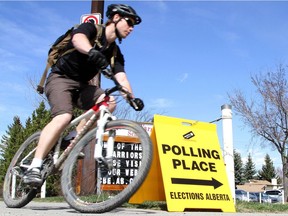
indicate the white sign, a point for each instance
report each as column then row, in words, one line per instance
column 147, row 126
column 93, row 18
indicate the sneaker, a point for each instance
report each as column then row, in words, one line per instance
column 33, row 177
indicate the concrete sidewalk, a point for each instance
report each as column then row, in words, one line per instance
column 63, row 209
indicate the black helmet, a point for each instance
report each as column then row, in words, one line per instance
column 122, row 10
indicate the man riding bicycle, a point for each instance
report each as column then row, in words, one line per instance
column 67, row 84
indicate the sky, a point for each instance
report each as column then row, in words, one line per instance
column 182, row 60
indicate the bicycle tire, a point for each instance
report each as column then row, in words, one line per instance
column 22, row 194
column 100, row 200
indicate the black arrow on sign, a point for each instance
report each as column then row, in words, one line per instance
column 213, row 182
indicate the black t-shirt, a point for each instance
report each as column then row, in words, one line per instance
column 75, row 64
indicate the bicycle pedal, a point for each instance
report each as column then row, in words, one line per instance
column 17, row 171
column 105, row 163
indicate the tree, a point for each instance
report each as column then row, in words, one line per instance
column 268, row 171
column 267, row 113
column 13, row 139
column 123, row 111
column 249, row 169
column 17, row 134
column 238, row 168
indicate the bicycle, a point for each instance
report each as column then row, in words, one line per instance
column 100, row 187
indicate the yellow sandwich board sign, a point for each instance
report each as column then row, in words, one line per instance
column 187, row 169
column 193, row 170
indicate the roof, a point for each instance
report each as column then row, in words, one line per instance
column 255, row 186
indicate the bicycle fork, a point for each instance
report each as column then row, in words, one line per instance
column 105, row 116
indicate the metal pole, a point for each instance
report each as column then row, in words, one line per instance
column 228, row 146
column 43, row 190
column 13, row 192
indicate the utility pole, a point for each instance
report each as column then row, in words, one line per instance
column 97, row 6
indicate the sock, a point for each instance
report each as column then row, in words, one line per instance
column 36, row 162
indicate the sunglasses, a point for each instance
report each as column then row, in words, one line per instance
column 129, row 21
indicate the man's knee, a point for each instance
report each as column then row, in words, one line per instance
column 62, row 119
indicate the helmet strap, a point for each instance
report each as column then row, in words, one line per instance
column 116, row 30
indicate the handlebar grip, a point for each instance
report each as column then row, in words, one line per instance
column 136, row 103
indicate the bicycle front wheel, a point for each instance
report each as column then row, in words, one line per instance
column 92, row 187
column 16, row 194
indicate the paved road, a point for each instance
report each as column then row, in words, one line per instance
column 63, row 209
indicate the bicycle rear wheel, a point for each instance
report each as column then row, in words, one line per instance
column 90, row 186
column 16, row 194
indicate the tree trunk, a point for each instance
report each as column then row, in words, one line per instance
column 284, row 177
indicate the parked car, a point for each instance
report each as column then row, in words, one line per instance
column 275, row 194
column 252, row 197
column 241, row 195
column 245, row 196
column 265, row 198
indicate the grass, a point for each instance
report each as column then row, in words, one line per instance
column 243, row 207
column 250, row 207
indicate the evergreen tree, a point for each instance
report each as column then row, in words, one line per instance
column 17, row 134
column 12, row 140
column 39, row 118
column 249, row 169
column 238, row 168
column 268, row 171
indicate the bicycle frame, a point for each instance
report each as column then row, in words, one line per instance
column 98, row 110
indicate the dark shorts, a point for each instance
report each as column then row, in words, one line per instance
column 64, row 93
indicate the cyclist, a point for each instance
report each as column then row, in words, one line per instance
column 67, row 84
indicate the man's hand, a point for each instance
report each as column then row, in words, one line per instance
column 98, row 58
column 137, row 104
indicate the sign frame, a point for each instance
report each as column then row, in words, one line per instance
column 95, row 17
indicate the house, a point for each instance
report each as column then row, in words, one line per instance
column 257, row 186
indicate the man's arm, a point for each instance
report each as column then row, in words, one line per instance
column 136, row 103
column 121, row 77
column 81, row 43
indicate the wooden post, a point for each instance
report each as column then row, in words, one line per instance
column 97, row 7
column 89, row 163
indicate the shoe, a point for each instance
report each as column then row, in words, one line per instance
column 33, row 177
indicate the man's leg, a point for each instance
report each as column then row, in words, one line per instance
column 48, row 139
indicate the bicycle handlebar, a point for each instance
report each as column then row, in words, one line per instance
column 118, row 87
column 135, row 103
